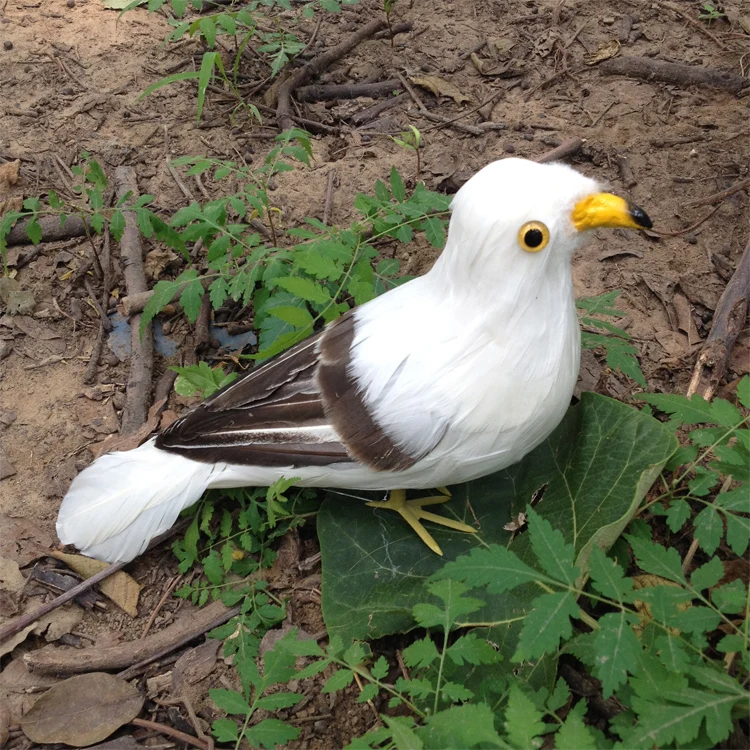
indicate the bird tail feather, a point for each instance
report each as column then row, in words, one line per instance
column 116, row 506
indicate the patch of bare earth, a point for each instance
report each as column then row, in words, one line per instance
column 71, row 76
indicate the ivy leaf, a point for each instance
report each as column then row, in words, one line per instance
column 380, row 668
column 677, row 513
column 420, row 653
column 304, row 289
column 607, row 577
column 693, row 410
column 225, row 730
column 455, row 693
column 271, row 733
column 402, row 732
column 523, row 720
column 164, row 293
column 278, row 700
column 677, row 717
column 463, row 726
column 743, row 391
column 574, row 734
column 554, row 554
column 455, row 605
column 617, row 651
column 338, row 680
column 738, row 532
column 730, row 598
column 230, row 701
column 546, row 625
column 471, row 649
column 397, row 186
column 495, row 568
column 707, row 575
column 672, row 653
column 653, row 558
column 201, row 378
column 708, row 529
column 191, row 297
column 369, row 691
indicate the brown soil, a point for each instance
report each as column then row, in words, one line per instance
column 70, row 83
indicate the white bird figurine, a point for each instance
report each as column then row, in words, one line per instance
column 449, row 377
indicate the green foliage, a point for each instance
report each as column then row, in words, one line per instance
column 716, row 455
column 244, row 27
column 619, row 352
column 709, row 12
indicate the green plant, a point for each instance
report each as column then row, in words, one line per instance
column 709, row 12
column 411, row 139
column 620, row 353
column 717, row 454
column 245, row 26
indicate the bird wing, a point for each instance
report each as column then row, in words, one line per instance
column 303, row 408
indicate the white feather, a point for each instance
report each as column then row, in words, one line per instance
column 118, row 504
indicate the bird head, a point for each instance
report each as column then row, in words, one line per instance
column 517, row 220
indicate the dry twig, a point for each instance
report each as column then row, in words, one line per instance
column 138, row 393
column 675, row 73
column 729, row 319
column 284, row 116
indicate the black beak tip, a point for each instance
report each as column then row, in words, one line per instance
column 640, row 217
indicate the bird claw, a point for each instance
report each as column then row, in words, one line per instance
column 411, row 511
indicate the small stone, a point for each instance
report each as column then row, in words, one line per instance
column 6, row 467
column 692, row 239
column 7, row 44
column 71, row 3
column 6, row 347
column 510, row 148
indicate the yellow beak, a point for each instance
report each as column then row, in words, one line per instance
column 607, row 210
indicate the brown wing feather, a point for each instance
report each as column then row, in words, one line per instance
column 257, row 419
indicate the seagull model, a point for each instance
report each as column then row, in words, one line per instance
column 449, row 377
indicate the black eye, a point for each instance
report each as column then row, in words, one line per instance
column 533, row 237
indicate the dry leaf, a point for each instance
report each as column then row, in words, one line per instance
column 82, row 710
column 121, row 588
column 9, row 644
column 57, row 623
column 508, row 69
column 20, row 688
column 604, row 51
column 517, row 523
column 685, row 321
column 157, row 260
column 440, row 87
column 9, row 175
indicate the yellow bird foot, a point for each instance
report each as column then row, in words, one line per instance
column 411, row 511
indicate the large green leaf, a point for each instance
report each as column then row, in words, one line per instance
column 594, row 470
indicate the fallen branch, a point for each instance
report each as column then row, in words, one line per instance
column 721, row 195
column 322, row 93
column 317, row 65
column 138, row 391
column 368, row 114
column 171, row 732
column 52, row 230
column 675, row 73
column 123, row 655
column 728, row 321
column 563, row 151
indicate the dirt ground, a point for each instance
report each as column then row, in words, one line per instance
column 70, row 79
